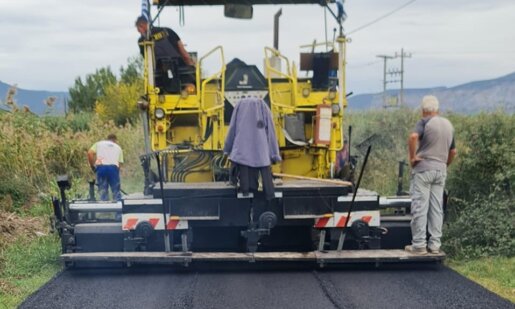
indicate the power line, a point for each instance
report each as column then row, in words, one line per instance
column 464, row 52
column 353, row 66
column 381, row 17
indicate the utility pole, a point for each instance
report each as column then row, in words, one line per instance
column 393, row 72
column 402, row 55
column 385, row 58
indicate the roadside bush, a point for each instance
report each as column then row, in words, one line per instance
column 481, row 218
column 14, row 193
column 482, row 227
column 72, row 122
column 486, row 150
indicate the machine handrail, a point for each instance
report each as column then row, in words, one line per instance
column 218, row 74
column 291, row 76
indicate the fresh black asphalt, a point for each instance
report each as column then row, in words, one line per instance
column 399, row 286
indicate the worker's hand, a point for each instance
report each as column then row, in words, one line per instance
column 275, row 159
column 415, row 160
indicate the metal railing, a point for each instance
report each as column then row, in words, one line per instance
column 218, row 75
column 290, row 75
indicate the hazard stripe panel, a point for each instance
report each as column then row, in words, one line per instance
column 322, row 222
column 130, row 224
column 339, row 219
column 131, row 221
column 153, row 222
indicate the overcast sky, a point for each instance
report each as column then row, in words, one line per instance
column 46, row 44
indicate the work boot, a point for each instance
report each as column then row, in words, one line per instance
column 433, row 250
column 415, row 250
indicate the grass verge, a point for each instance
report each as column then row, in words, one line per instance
column 25, row 266
column 496, row 274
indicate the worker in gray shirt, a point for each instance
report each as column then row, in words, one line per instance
column 434, row 136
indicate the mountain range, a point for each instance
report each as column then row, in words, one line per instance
column 469, row 98
column 34, row 100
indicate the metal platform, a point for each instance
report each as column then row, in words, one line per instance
column 326, row 257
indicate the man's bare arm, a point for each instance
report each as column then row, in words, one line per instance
column 91, row 158
column 185, row 56
column 452, row 154
column 412, row 147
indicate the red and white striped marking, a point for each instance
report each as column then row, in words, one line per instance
column 339, row 219
column 130, row 221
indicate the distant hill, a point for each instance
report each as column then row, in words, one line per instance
column 34, row 99
column 469, row 98
column 473, row 97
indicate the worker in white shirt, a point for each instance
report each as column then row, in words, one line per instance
column 105, row 158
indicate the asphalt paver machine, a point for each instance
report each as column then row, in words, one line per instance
column 189, row 211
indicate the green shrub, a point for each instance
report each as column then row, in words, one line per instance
column 486, row 150
column 482, row 227
column 14, row 193
column 480, row 220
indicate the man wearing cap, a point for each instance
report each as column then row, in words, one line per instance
column 105, row 158
column 431, row 149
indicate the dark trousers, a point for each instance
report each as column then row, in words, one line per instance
column 248, row 178
column 108, row 176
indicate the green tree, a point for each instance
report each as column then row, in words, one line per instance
column 133, row 72
column 84, row 94
column 119, row 102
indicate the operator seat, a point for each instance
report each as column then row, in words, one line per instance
column 172, row 74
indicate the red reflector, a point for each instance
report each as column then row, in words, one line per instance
column 366, row 218
column 321, row 223
column 342, row 222
column 172, row 224
column 130, row 224
column 153, row 222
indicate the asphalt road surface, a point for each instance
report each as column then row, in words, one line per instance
column 399, row 286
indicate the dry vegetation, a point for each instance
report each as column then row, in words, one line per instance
column 35, row 150
column 13, row 226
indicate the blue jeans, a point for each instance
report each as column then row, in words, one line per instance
column 108, row 176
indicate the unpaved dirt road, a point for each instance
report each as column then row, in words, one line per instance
column 399, row 286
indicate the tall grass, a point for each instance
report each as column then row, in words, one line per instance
column 387, row 131
column 34, row 150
